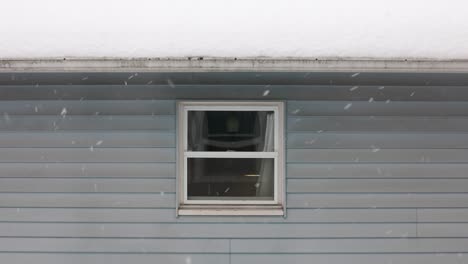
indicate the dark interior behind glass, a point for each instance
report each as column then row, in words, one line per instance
column 226, row 130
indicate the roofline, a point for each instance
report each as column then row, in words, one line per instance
column 231, row 64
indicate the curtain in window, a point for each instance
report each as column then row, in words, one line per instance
column 196, row 141
column 266, row 178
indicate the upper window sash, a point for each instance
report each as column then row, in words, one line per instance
column 227, row 107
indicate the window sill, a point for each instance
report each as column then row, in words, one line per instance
column 231, row 210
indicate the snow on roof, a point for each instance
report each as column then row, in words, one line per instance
column 436, row 29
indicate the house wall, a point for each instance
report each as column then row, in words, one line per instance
column 93, row 181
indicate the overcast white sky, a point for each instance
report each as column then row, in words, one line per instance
column 154, row 28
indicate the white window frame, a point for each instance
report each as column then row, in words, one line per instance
column 230, row 207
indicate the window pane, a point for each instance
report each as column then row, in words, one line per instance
column 230, row 179
column 230, row 131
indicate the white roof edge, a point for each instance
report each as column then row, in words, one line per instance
column 226, row 64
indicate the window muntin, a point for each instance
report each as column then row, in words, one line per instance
column 231, row 153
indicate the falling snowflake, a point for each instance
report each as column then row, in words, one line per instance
column 171, row 83
column 64, row 112
column 375, row 149
column 6, row 117
column 347, row 106
column 266, row 92
column 379, row 171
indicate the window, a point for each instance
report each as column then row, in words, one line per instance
column 230, row 158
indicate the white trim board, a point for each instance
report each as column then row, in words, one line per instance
column 238, row 205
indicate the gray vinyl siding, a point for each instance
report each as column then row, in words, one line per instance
column 372, row 182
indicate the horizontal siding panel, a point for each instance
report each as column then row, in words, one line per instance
column 435, row 258
column 246, row 91
column 97, row 122
column 94, row 215
column 376, row 140
column 443, row 230
column 399, row 245
column 377, row 155
column 90, row 200
column 211, row 230
column 102, row 139
column 377, row 200
column 114, row 245
column 443, row 215
column 89, row 107
column 377, row 124
column 377, row 185
column 56, row 258
column 87, row 155
column 384, row 108
column 168, row 215
column 87, row 185
column 87, row 170
column 417, row 170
